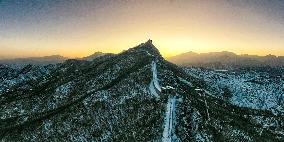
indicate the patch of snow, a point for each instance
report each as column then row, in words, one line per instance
column 221, row 70
column 206, row 107
column 186, row 82
column 197, row 89
column 170, row 87
column 195, row 120
column 47, row 126
column 199, row 137
column 148, row 53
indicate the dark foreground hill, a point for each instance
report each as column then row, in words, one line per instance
column 132, row 96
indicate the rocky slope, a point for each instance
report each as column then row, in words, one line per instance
column 132, row 96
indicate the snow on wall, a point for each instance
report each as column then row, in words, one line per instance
column 155, row 76
column 154, row 84
column 169, row 132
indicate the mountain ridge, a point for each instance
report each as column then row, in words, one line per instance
column 45, row 60
column 96, row 55
column 226, row 59
column 135, row 95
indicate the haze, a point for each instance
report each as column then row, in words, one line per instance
column 75, row 28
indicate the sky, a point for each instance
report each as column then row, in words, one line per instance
column 77, row 28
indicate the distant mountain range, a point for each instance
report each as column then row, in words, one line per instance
column 46, row 60
column 96, row 55
column 54, row 59
column 220, row 60
column 226, row 59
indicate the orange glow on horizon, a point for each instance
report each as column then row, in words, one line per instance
column 174, row 26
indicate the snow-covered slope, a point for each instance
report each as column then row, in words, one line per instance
column 252, row 89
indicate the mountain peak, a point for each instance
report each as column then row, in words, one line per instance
column 149, row 41
column 148, row 48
